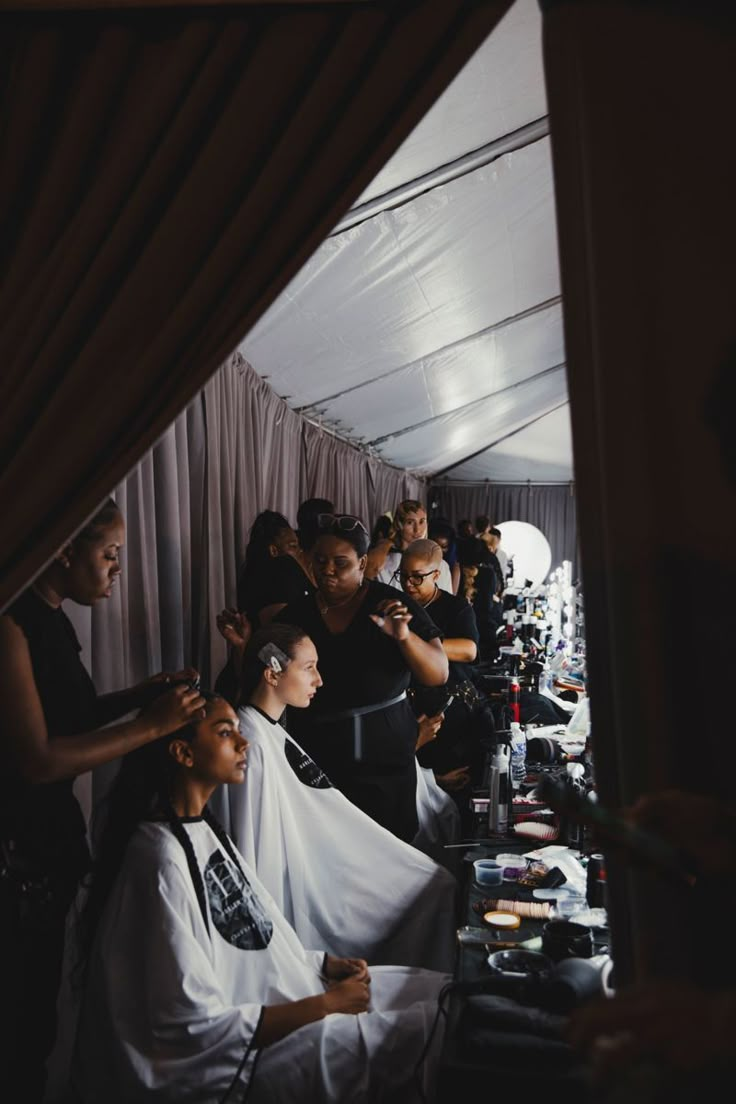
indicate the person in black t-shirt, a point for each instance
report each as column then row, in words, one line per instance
column 482, row 584
column 273, row 574
column 454, row 752
column 51, row 730
column 371, row 641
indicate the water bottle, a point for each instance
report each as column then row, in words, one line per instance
column 518, row 755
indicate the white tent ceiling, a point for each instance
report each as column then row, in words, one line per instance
column 429, row 328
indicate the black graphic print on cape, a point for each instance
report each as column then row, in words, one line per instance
column 236, row 911
column 305, row 768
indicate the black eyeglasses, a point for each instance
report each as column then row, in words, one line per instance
column 346, row 523
column 416, row 578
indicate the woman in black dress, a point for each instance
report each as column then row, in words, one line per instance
column 50, row 728
column 360, row 727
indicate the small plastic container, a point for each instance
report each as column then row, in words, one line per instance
column 488, row 872
column 514, row 866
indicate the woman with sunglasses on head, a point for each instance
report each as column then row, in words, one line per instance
column 197, row 988
column 288, row 812
column 52, row 730
column 371, row 642
column 410, row 524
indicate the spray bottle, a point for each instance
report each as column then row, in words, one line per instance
column 499, row 792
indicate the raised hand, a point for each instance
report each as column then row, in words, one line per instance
column 235, row 627
column 392, row 618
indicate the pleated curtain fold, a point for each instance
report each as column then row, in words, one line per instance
column 189, row 504
column 164, row 172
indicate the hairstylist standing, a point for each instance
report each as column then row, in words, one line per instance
column 360, row 728
column 384, row 560
column 50, row 718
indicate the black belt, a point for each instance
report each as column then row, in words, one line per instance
column 356, row 715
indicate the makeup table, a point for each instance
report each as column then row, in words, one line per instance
column 481, row 1052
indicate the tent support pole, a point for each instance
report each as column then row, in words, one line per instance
column 443, row 174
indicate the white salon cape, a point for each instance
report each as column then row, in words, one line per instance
column 172, row 1004
column 389, row 573
column 343, row 881
column 439, row 821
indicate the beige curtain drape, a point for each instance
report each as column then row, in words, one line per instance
column 189, row 505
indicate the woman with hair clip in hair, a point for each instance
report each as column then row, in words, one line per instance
column 311, row 847
column 197, row 988
column 51, row 730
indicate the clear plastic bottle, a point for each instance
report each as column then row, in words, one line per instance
column 518, row 755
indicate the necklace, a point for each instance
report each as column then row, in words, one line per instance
column 435, row 595
column 325, row 609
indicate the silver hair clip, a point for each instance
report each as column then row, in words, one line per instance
column 271, row 656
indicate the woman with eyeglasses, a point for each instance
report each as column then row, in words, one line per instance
column 453, row 750
column 410, row 524
column 372, row 642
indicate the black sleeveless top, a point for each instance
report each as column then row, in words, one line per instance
column 45, row 819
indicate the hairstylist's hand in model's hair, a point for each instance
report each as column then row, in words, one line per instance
column 174, row 709
column 116, row 704
column 188, row 674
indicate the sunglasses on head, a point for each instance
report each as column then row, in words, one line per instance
column 346, row 523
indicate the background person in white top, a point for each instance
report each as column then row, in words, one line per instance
column 340, row 878
column 197, row 988
column 384, row 560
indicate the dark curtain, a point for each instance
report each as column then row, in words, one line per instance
column 550, row 508
column 164, row 173
column 641, row 104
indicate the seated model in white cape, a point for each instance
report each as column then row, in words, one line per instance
column 341, row 879
column 198, row 990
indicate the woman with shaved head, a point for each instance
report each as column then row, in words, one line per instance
column 453, row 752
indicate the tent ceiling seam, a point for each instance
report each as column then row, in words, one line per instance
column 529, row 312
column 467, row 406
column 443, row 174
column 499, row 440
